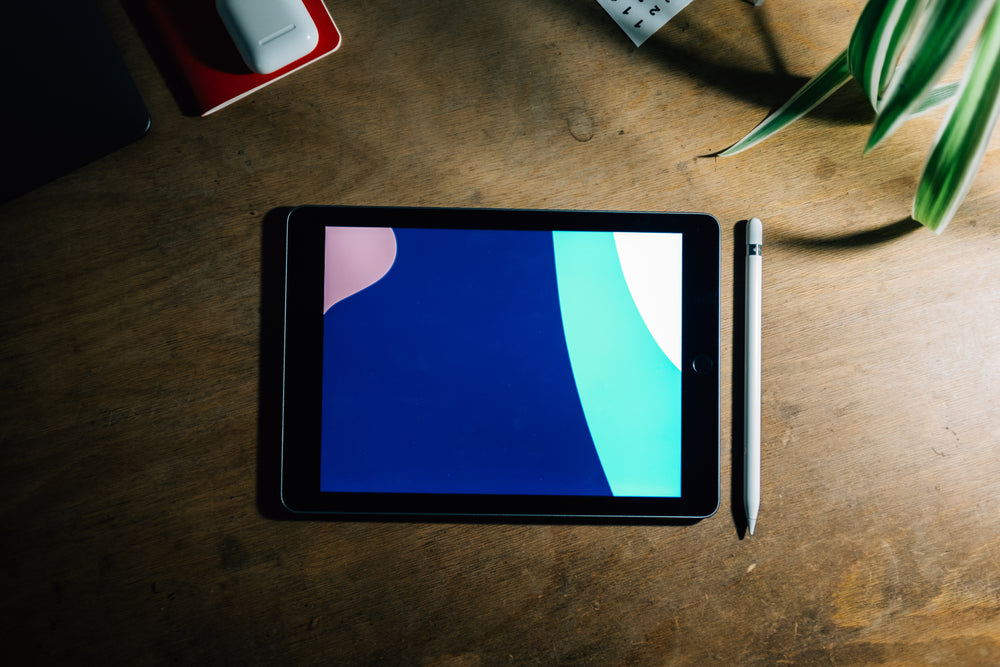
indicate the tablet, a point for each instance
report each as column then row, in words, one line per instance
column 500, row 363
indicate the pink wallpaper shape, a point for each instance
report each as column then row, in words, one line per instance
column 356, row 258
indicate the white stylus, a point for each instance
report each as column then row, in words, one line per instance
column 751, row 393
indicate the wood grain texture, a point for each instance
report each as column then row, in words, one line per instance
column 130, row 303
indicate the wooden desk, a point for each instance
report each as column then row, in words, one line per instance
column 131, row 294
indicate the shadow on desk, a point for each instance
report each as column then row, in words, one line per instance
column 840, row 243
column 853, row 240
column 737, row 486
column 269, row 391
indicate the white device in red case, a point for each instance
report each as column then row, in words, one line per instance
column 269, row 34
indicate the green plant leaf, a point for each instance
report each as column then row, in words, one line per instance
column 960, row 147
column 937, row 97
column 909, row 20
column 877, row 42
column 948, row 27
column 811, row 94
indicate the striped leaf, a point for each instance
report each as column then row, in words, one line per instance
column 898, row 52
column 877, row 42
column 811, row 94
column 965, row 134
column 946, row 28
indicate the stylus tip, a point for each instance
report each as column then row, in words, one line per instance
column 751, row 524
column 755, row 231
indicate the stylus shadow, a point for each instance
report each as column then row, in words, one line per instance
column 738, row 380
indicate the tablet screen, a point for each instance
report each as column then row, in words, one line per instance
column 444, row 361
column 502, row 361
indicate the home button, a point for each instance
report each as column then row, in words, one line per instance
column 703, row 364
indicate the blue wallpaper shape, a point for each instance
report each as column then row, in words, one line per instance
column 451, row 374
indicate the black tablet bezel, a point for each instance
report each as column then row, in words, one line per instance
column 302, row 378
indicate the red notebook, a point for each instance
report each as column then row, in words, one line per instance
column 204, row 58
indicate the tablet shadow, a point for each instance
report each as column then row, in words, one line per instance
column 270, row 372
